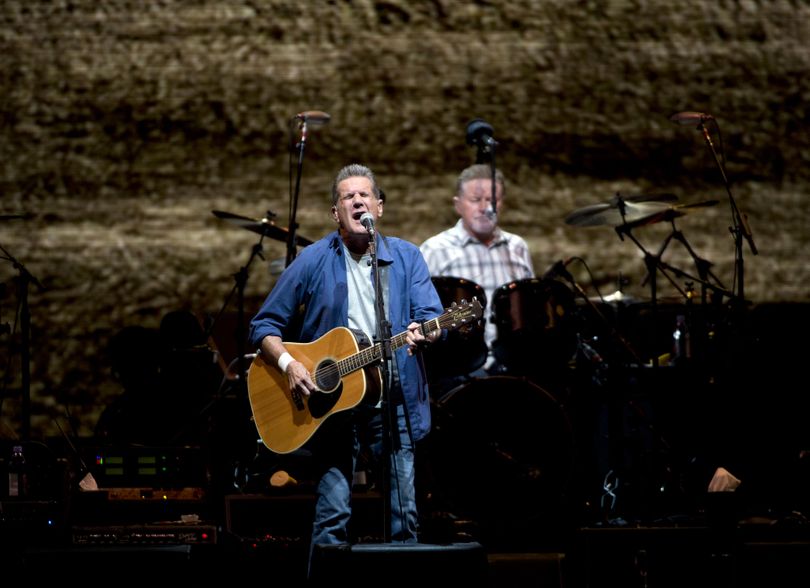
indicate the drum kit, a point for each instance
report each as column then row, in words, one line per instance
column 538, row 322
column 545, row 325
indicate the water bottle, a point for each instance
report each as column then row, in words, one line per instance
column 17, row 478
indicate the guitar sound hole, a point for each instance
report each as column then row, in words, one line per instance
column 327, row 376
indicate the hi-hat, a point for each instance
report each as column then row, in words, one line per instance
column 264, row 227
column 620, row 210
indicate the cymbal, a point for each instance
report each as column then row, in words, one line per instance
column 620, row 210
column 264, row 227
column 671, row 213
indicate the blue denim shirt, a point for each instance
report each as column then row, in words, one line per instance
column 311, row 298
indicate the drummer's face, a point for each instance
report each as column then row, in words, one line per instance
column 472, row 205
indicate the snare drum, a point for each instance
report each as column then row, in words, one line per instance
column 464, row 349
column 535, row 322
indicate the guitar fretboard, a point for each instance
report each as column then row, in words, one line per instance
column 372, row 354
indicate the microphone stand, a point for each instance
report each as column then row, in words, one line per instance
column 388, row 410
column 25, row 346
column 486, row 146
column 293, row 225
column 241, row 278
column 494, row 201
column 739, row 228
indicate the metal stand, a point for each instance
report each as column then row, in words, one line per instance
column 293, row 225
column 240, row 279
column 25, row 278
column 739, row 221
column 389, row 411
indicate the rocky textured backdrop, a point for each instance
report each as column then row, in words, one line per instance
column 124, row 124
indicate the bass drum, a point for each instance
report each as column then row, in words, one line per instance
column 464, row 349
column 536, row 325
column 501, row 454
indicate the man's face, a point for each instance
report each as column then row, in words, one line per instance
column 355, row 196
column 472, row 206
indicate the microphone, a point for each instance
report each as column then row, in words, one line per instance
column 690, row 118
column 558, row 270
column 368, row 221
column 314, row 117
column 479, row 132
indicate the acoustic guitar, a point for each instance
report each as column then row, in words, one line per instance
column 345, row 369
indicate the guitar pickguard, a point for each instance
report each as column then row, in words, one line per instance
column 321, row 403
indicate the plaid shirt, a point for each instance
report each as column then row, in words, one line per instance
column 456, row 253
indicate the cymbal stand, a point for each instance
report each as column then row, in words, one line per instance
column 701, row 265
column 653, row 264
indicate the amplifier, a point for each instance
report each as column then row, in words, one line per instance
column 147, row 534
column 134, row 506
column 152, row 494
column 144, row 466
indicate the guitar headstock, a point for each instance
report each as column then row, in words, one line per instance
column 462, row 313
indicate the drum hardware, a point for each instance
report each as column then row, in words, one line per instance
column 626, row 214
column 706, row 279
column 613, row 332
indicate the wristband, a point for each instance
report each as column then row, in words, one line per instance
column 284, row 361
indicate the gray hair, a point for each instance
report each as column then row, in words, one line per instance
column 354, row 170
column 480, row 171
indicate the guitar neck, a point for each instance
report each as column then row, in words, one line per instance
column 373, row 354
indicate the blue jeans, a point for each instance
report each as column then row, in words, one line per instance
column 335, row 454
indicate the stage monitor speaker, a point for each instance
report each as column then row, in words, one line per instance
column 401, row 564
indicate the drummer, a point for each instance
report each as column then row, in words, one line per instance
column 476, row 248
